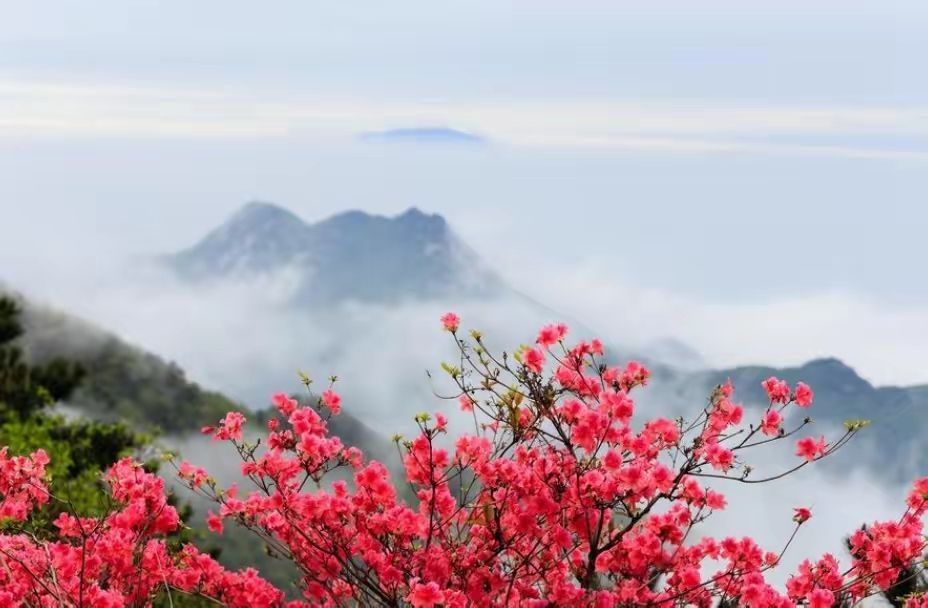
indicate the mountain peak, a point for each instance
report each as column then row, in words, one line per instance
column 351, row 255
column 413, row 221
column 414, row 214
column 259, row 235
column 838, row 374
column 830, row 364
column 262, row 212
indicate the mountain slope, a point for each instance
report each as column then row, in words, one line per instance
column 122, row 382
column 840, row 393
column 415, row 256
column 893, row 443
column 350, row 256
column 125, row 382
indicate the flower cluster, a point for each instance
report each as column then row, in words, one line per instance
column 115, row 561
column 559, row 495
column 22, row 486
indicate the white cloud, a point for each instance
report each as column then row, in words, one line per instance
column 886, row 344
column 239, row 339
column 840, row 505
column 54, row 109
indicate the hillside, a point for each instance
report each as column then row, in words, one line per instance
column 417, row 257
column 840, row 394
column 891, row 445
column 122, row 381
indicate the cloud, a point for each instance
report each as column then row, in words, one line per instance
column 241, row 338
column 840, row 504
column 686, row 145
column 244, row 339
column 54, row 109
column 885, row 343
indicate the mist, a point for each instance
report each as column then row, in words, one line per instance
column 248, row 341
column 738, row 184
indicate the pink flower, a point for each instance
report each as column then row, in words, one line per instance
column 534, row 359
column 551, row 334
column 195, row 475
column 810, row 448
column 715, row 501
column 635, row 374
column 721, row 458
column 425, row 596
column 214, row 522
column 777, row 390
column 230, row 427
column 801, row 514
column 804, row 394
column 284, row 404
column 821, row 598
column 771, row 423
column 450, row 321
column 332, row 400
column 728, row 389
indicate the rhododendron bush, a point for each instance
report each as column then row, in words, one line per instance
column 558, row 494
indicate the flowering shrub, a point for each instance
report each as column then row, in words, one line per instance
column 560, row 496
column 111, row 562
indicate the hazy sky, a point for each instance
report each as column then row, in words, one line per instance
column 748, row 176
column 764, row 162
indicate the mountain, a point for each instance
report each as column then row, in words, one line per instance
column 126, row 382
column 355, row 256
column 896, row 413
column 424, row 135
column 122, row 381
column 891, row 445
column 349, row 256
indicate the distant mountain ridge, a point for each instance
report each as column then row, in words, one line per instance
column 841, row 394
column 424, row 135
column 349, row 256
column 891, row 445
column 358, row 256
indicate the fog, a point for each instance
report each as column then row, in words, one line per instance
column 733, row 185
column 245, row 340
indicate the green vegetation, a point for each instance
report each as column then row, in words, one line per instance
column 127, row 384
column 80, row 450
column 120, row 382
column 122, row 393
column 124, row 397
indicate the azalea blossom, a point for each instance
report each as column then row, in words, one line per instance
column 332, row 400
column 561, row 492
column 450, row 321
column 804, row 394
column 534, row 359
column 810, row 448
column 777, row 390
column 801, row 514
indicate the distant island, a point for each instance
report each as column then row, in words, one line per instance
column 423, row 135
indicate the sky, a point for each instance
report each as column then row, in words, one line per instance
column 746, row 177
